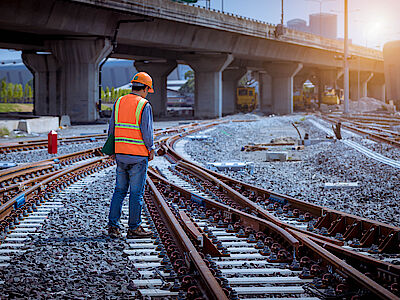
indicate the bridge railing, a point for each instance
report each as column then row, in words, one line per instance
column 211, row 18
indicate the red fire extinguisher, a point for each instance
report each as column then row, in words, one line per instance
column 52, row 142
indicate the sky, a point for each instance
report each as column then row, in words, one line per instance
column 371, row 22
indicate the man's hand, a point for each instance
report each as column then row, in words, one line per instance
column 151, row 155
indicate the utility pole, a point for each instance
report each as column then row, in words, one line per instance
column 282, row 15
column 345, row 59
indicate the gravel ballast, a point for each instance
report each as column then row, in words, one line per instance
column 327, row 162
column 72, row 257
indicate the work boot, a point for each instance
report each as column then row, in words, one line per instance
column 138, row 232
column 114, row 232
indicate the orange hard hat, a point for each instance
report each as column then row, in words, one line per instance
column 143, row 78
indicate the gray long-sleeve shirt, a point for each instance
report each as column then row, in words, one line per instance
column 146, row 128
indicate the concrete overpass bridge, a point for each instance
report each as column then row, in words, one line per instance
column 63, row 42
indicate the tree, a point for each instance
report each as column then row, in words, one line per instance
column 112, row 94
column 188, row 86
column 10, row 92
column 107, row 94
column 20, row 92
column 102, row 93
column 3, row 90
column 30, row 94
column 246, row 82
column 26, row 91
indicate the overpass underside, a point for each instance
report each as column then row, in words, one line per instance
column 64, row 42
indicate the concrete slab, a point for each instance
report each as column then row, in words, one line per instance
column 39, row 125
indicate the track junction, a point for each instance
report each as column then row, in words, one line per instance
column 214, row 237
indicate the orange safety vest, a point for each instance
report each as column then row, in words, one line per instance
column 128, row 114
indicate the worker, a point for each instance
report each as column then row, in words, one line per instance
column 132, row 125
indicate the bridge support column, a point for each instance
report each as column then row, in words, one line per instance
column 282, row 74
column 45, row 69
column 376, row 87
column 208, row 83
column 79, row 60
column 358, row 84
column 265, row 91
column 230, row 79
column 159, row 71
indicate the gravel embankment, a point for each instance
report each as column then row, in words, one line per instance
column 72, row 258
column 375, row 197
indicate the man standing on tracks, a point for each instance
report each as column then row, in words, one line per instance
column 132, row 125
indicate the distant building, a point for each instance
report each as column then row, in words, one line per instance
column 298, row 24
column 324, row 24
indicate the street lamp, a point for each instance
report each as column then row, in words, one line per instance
column 320, row 12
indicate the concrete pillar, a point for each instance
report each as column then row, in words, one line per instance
column 230, row 79
column 376, row 87
column 392, row 71
column 208, row 83
column 282, row 74
column 46, row 72
column 159, row 71
column 265, row 91
column 358, row 84
column 79, row 61
column 340, row 80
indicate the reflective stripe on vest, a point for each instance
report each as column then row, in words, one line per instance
column 128, row 137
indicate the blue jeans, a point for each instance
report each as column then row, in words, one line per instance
column 133, row 176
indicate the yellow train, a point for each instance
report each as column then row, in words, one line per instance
column 331, row 97
column 246, row 99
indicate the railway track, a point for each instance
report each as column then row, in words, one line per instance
column 218, row 238
column 370, row 246
column 253, row 258
column 377, row 128
column 36, row 144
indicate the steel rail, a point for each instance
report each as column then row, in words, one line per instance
column 359, row 277
column 214, row 290
column 316, row 210
column 370, row 135
column 242, row 215
column 51, row 161
column 37, row 187
column 42, row 143
column 392, row 232
column 304, row 240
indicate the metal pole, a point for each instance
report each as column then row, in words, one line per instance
column 345, row 60
column 320, row 18
column 222, row 4
column 358, row 81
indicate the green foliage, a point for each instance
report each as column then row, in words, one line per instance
column 107, row 97
column 3, row 89
column 30, row 93
column 189, row 85
column 245, row 81
column 111, row 95
column 4, row 131
column 16, row 107
column 10, row 92
column 105, row 107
